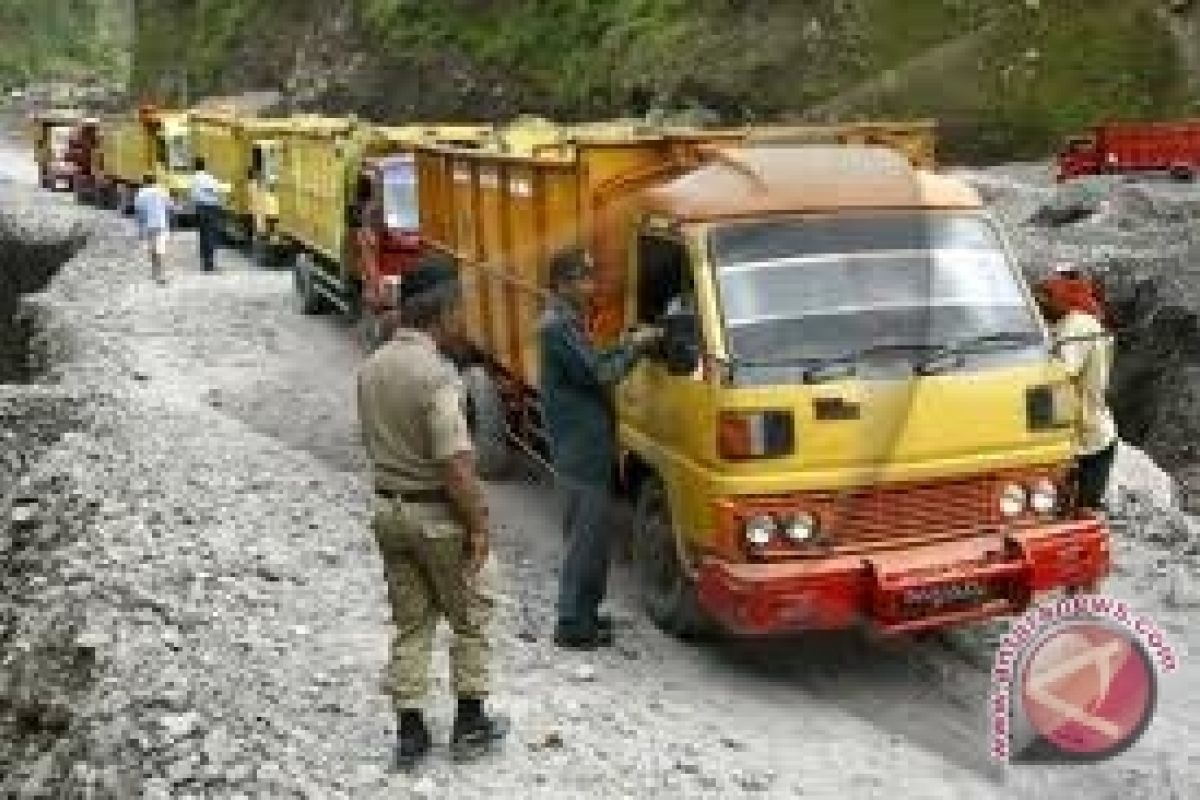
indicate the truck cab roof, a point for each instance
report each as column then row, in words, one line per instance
column 760, row 180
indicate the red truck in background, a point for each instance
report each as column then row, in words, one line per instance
column 1128, row 147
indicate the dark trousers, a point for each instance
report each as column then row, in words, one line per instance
column 588, row 530
column 207, row 226
column 1091, row 476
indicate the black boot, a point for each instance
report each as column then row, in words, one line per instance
column 475, row 733
column 412, row 740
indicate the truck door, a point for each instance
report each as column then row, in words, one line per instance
column 651, row 400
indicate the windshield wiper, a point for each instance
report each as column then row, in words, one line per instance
column 952, row 354
column 826, row 369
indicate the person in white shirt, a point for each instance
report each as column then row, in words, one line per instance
column 206, row 192
column 1085, row 347
column 152, row 210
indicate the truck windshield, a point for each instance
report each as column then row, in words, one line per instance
column 886, row 288
column 270, row 165
column 178, row 153
column 400, row 196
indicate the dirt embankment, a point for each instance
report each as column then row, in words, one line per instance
column 46, row 666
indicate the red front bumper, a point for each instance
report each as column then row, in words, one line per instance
column 905, row 590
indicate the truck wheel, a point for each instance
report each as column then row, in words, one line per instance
column 489, row 424
column 311, row 301
column 260, row 252
column 125, row 199
column 1183, row 174
column 668, row 594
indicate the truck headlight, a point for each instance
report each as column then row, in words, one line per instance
column 801, row 528
column 760, row 529
column 1043, row 498
column 1012, row 500
column 745, row 434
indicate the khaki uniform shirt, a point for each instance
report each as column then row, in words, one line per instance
column 410, row 409
column 1086, row 350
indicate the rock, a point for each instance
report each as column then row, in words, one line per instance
column 754, row 782
column 551, row 741
column 180, row 726
column 426, row 787
column 24, row 517
column 1183, row 590
column 583, row 673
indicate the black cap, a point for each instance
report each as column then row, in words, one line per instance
column 435, row 272
column 569, row 265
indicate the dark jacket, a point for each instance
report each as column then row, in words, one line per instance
column 576, row 388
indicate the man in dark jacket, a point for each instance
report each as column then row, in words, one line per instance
column 576, row 383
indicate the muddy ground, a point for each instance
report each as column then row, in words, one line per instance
column 191, row 604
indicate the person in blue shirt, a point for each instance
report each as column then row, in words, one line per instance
column 206, row 200
column 576, row 381
column 152, row 210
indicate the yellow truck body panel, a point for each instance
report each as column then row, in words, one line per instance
column 227, row 142
column 315, row 157
column 150, row 141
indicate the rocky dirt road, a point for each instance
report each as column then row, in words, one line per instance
column 192, row 606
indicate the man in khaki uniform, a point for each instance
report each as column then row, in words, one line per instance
column 430, row 521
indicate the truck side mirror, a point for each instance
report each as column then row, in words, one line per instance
column 681, row 343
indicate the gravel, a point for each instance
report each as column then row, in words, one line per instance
column 191, row 605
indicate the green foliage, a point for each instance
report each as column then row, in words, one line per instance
column 1007, row 79
column 75, row 40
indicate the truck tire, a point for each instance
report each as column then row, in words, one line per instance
column 489, row 424
column 668, row 593
column 106, row 197
column 125, row 199
column 310, row 300
column 1182, row 173
column 260, row 253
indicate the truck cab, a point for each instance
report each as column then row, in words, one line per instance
column 385, row 227
column 1080, row 156
column 53, row 132
column 173, row 159
column 875, row 428
column 263, row 197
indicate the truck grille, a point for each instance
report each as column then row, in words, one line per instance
column 921, row 511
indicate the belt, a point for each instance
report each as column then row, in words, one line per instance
column 415, row 495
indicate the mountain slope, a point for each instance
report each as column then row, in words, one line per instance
column 1009, row 77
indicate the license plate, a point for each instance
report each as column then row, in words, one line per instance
column 945, row 594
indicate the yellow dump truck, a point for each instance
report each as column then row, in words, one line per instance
column 855, row 414
column 347, row 209
column 152, row 141
column 243, row 153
